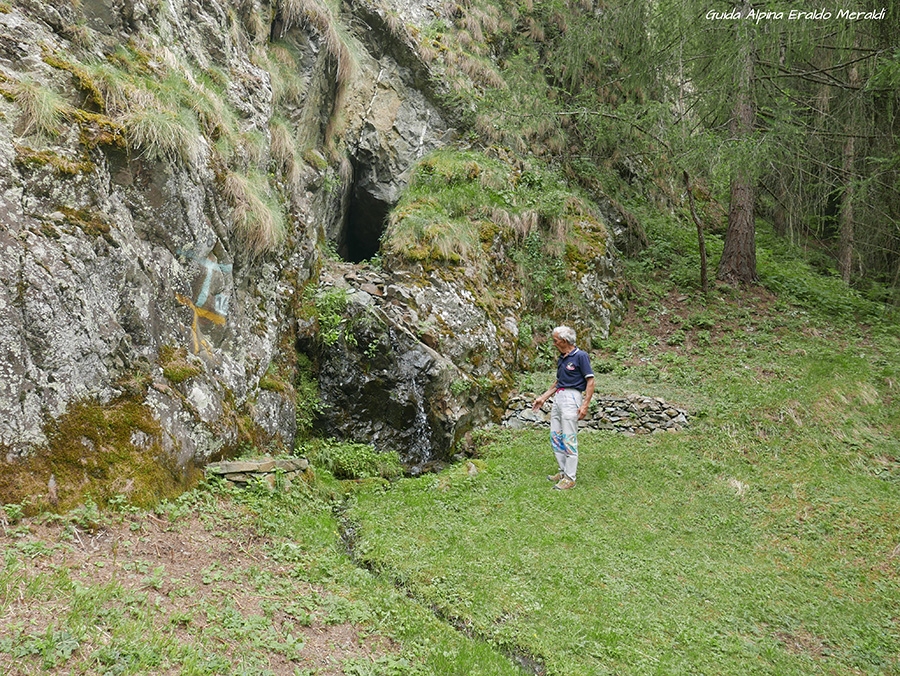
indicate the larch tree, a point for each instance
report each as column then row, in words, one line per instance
column 738, row 262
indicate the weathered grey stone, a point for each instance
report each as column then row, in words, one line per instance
column 629, row 421
column 267, row 471
column 234, row 467
column 389, row 388
column 238, row 477
column 106, row 268
column 292, row 465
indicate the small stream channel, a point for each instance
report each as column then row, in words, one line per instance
column 529, row 664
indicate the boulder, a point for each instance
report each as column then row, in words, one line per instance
column 380, row 381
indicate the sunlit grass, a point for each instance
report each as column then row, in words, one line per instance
column 163, row 133
column 761, row 540
column 42, row 109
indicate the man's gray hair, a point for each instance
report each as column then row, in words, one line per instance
column 566, row 333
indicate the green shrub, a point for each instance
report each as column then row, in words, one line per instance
column 331, row 316
column 348, row 460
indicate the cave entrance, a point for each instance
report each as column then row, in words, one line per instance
column 364, row 222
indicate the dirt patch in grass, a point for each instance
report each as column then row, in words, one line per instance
column 207, row 581
column 802, row 642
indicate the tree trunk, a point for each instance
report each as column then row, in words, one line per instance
column 845, row 253
column 738, row 263
column 701, row 240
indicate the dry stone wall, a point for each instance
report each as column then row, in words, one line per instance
column 629, row 414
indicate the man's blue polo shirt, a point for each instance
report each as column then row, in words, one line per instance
column 573, row 370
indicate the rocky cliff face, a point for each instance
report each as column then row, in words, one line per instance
column 168, row 173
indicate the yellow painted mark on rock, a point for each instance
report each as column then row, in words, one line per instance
column 200, row 313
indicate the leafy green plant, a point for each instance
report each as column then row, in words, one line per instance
column 86, row 516
column 331, row 316
column 459, row 386
column 12, row 513
column 308, row 404
column 347, row 460
column 384, row 665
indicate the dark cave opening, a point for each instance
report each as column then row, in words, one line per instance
column 364, row 224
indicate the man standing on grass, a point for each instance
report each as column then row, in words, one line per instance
column 573, row 388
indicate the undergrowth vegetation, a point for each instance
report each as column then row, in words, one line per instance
column 349, row 460
column 474, row 210
column 456, row 200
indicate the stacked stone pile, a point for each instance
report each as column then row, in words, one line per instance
column 630, row 414
column 264, row 470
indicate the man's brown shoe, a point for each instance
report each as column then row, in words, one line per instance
column 565, row 484
column 555, row 477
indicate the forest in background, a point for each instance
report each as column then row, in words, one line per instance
column 763, row 114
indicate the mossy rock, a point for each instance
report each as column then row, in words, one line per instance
column 176, row 365
column 97, row 450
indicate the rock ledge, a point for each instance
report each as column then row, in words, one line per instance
column 264, row 470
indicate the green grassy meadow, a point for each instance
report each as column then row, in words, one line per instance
column 765, row 539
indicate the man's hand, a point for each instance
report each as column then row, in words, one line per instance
column 541, row 400
column 582, row 410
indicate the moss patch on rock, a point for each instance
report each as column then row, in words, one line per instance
column 38, row 159
column 176, row 366
column 99, row 451
column 92, row 223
